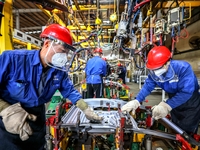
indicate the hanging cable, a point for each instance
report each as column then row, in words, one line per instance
column 117, row 11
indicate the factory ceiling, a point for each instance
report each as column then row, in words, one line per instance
column 30, row 16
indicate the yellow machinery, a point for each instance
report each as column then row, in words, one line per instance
column 6, row 27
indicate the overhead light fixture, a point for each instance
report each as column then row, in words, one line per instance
column 33, row 32
column 107, row 21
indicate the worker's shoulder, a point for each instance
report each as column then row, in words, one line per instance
column 20, row 52
column 96, row 59
column 180, row 62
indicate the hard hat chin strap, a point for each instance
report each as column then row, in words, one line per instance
column 45, row 57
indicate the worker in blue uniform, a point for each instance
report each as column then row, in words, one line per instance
column 177, row 78
column 108, row 68
column 121, row 71
column 96, row 69
column 28, row 80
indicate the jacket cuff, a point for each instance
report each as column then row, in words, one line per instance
column 166, row 105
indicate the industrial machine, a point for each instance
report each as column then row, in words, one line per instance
column 69, row 129
column 113, row 89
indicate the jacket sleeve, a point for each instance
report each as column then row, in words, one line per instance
column 185, row 88
column 148, row 86
column 104, row 68
column 68, row 91
column 5, row 62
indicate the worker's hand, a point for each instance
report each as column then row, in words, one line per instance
column 161, row 110
column 131, row 106
column 14, row 119
column 89, row 113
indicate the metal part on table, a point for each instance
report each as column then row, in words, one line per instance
column 150, row 132
column 104, row 102
column 190, row 139
column 76, row 117
column 112, row 119
column 172, row 125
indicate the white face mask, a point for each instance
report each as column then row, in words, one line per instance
column 59, row 59
column 159, row 72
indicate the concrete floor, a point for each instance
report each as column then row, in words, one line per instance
column 154, row 98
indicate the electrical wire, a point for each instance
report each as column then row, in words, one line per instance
column 184, row 33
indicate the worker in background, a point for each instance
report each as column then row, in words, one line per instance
column 108, row 67
column 121, row 71
column 177, row 78
column 28, row 80
column 95, row 70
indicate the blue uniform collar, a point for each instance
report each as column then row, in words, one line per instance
column 37, row 58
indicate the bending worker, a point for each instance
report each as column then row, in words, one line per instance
column 96, row 69
column 177, row 78
column 28, row 80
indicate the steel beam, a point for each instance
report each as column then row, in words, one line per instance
column 93, row 7
column 32, row 28
column 185, row 4
column 71, row 27
column 57, row 19
column 80, row 13
column 82, row 27
column 31, row 46
column 100, row 37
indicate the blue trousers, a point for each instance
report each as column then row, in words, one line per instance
column 187, row 115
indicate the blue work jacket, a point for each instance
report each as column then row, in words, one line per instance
column 121, row 70
column 182, row 86
column 20, row 75
column 95, row 69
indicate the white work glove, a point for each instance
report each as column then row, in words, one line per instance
column 14, row 119
column 131, row 106
column 161, row 110
column 89, row 113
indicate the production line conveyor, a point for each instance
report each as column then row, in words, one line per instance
column 79, row 131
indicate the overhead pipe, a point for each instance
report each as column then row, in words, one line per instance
column 187, row 51
column 26, row 10
column 17, row 21
column 51, row 4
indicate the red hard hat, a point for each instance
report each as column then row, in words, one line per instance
column 119, row 64
column 157, row 57
column 98, row 50
column 104, row 58
column 59, row 32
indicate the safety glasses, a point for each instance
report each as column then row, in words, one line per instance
column 163, row 74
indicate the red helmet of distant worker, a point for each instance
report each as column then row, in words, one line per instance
column 157, row 57
column 98, row 50
column 56, row 31
column 119, row 64
column 104, row 58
